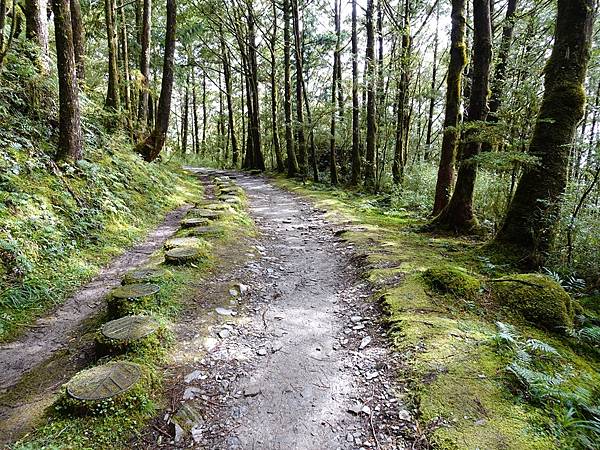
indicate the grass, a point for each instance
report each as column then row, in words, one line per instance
column 458, row 380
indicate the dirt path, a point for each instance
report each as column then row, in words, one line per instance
column 298, row 360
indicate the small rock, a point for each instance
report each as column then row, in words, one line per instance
column 192, row 376
column 261, row 352
column 355, row 409
column 197, row 434
column 252, row 391
column 404, row 415
column 191, row 392
column 224, row 334
column 366, row 410
column 365, row 341
column 276, row 347
column 233, row 292
column 179, row 433
column 349, row 437
column 371, row 375
column 225, row 312
column 360, row 326
column 242, row 288
column 355, row 319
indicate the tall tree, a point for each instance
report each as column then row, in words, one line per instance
column 145, row 62
column 371, row 118
column 36, row 20
column 78, row 39
column 456, row 67
column 458, row 215
column 292, row 162
column 334, row 84
column 356, row 163
column 273, row 75
column 530, row 224
column 151, row 147
column 113, row 101
column 70, row 139
column 230, row 112
column 300, row 136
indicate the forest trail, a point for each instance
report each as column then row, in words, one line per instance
column 304, row 365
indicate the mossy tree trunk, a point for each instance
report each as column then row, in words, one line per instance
column 273, row 75
column 458, row 215
column 70, row 140
column 36, row 22
column 371, row 118
column 230, row 112
column 334, row 84
column 113, row 101
column 530, row 223
column 356, row 163
column 78, row 39
column 300, row 135
column 292, row 162
column 151, row 147
column 458, row 61
column 144, row 63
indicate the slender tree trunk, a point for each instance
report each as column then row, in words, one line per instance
column 433, row 86
column 301, row 138
column 356, row 163
column 78, row 39
column 2, row 23
column 530, row 224
column 230, row 112
column 185, row 117
column 70, row 140
column 273, row 74
column 292, row 162
column 36, row 20
column 151, row 147
column 458, row 61
column 458, row 215
column 145, row 61
column 195, row 113
column 125, row 56
column 113, row 101
column 501, row 66
column 205, row 112
column 334, row 84
column 371, row 118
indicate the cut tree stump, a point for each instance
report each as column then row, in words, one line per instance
column 183, row 255
column 182, row 242
column 206, row 231
column 204, row 214
column 194, row 222
column 216, row 207
column 145, row 275
column 131, row 299
column 129, row 333
column 105, row 381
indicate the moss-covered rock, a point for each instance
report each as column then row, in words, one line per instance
column 536, row 297
column 454, row 280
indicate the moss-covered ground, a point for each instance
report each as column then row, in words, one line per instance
column 117, row 424
column 458, row 380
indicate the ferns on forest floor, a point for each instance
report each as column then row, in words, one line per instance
column 543, row 375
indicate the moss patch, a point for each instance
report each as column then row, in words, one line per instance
column 452, row 280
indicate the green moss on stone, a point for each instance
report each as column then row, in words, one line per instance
column 452, row 280
column 538, row 298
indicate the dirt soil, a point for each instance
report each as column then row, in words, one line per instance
column 296, row 355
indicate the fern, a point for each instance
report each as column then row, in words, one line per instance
column 589, row 335
column 541, row 347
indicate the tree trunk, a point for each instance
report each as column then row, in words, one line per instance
column 145, row 62
column 433, row 86
column 113, row 101
column 501, row 66
column 292, row 162
column 356, row 163
column 530, row 224
column 195, row 113
column 205, row 113
column 300, row 136
column 371, row 118
column 458, row 61
column 334, row 84
column 125, row 59
column 70, row 140
column 185, row 118
column 458, row 215
column 151, row 147
column 230, row 112
column 273, row 74
column 36, row 21
column 2, row 23
column 78, row 39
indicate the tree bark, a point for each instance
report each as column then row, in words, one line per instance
column 530, row 224
column 125, row 59
column 145, row 62
column 433, row 86
column 273, row 74
column 458, row 215
column 333, row 172
column 230, row 112
column 371, row 118
column 292, row 162
column 36, row 21
column 113, row 101
column 300, row 135
column 185, row 117
column 70, row 138
column 151, row 147
column 356, row 163
column 78, row 39
column 458, row 61
column 2, row 23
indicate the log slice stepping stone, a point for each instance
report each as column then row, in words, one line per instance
column 144, row 275
column 182, row 255
column 131, row 299
column 205, row 213
column 129, row 333
column 105, row 381
column 194, row 222
column 207, row 231
column 182, row 242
